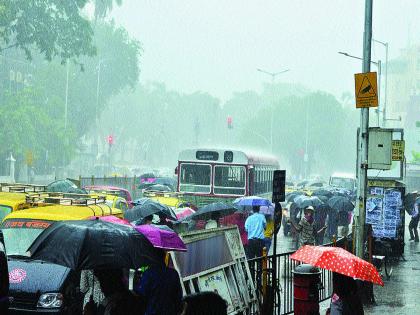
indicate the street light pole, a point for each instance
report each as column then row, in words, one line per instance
column 360, row 214
column 385, row 44
column 273, row 77
column 379, row 65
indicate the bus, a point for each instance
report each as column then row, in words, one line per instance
column 211, row 175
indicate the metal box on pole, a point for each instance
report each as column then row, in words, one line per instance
column 380, row 149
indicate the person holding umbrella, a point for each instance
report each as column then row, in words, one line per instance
column 306, row 228
column 255, row 226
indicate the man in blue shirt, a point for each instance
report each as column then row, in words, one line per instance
column 254, row 227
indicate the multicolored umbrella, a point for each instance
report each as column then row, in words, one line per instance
column 338, row 260
column 161, row 238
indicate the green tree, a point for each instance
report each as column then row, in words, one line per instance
column 27, row 127
column 117, row 62
column 103, row 7
column 54, row 28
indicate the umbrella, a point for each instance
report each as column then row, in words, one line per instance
column 308, row 201
column 291, row 196
column 267, row 210
column 147, row 208
column 112, row 219
column 338, row 260
column 182, row 213
column 65, row 186
column 340, row 203
column 252, row 201
column 161, row 238
column 410, row 200
column 219, row 208
column 158, row 187
column 322, row 192
column 140, row 201
column 93, row 244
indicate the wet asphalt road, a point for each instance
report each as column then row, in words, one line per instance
column 401, row 293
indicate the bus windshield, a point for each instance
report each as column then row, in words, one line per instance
column 19, row 234
column 229, row 180
column 195, row 178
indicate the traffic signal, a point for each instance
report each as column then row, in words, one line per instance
column 229, row 122
column 110, row 140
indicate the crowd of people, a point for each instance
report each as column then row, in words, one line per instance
column 156, row 291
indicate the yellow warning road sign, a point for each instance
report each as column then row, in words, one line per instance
column 366, row 89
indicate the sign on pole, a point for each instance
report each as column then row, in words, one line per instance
column 366, row 89
column 279, row 186
column 398, row 147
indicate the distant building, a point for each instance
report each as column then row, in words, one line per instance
column 404, row 87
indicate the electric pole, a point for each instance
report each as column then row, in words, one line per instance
column 362, row 149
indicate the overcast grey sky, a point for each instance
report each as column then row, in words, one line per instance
column 215, row 46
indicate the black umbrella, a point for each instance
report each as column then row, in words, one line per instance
column 93, row 244
column 158, row 187
column 322, row 192
column 291, row 196
column 147, row 208
column 216, row 208
column 305, row 202
column 340, row 203
column 410, row 200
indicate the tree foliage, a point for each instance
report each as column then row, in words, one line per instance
column 103, row 7
column 27, row 126
column 54, row 28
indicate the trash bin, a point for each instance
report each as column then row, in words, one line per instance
column 306, row 283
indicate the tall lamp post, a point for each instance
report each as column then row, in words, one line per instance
column 379, row 65
column 385, row 44
column 273, row 76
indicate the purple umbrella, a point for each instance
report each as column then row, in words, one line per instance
column 160, row 238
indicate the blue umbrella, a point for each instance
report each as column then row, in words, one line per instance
column 252, row 201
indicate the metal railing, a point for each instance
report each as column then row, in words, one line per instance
column 278, row 299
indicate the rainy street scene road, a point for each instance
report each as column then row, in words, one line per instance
column 196, row 157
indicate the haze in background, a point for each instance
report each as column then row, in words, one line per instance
column 216, row 46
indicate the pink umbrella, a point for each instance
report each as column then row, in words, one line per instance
column 182, row 213
column 112, row 219
column 160, row 238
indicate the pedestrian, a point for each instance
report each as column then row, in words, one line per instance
column 345, row 299
column 306, row 227
column 90, row 287
column 118, row 300
column 204, row 303
column 269, row 231
column 255, row 226
column 320, row 218
column 160, row 287
column 414, row 222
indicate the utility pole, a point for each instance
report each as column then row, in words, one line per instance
column 363, row 140
column 273, row 76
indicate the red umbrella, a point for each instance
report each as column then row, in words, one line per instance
column 338, row 260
